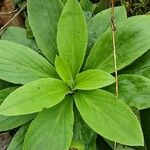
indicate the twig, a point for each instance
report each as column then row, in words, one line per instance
column 21, row 9
column 8, row 13
column 114, row 53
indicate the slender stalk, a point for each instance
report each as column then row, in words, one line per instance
column 114, row 53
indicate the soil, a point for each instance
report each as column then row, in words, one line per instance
column 7, row 6
column 5, row 139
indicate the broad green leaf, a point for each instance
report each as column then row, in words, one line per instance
column 93, row 79
column 11, row 122
column 20, row 64
column 34, row 96
column 101, row 22
column 84, row 138
column 52, row 128
column 72, row 36
column 145, row 121
column 132, row 40
column 141, row 66
column 134, row 90
column 109, row 117
column 18, row 139
column 5, row 92
column 43, row 17
column 63, row 71
column 18, row 35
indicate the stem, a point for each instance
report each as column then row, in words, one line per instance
column 114, row 53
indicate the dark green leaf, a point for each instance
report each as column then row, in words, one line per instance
column 4, row 84
column 101, row 22
column 43, row 17
column 8, row 123
column 109, row 116
column 84, row 138
column 52, row 128
column 72, row 36
column 29, row 32
column 5, row 92
column 134, row 90
column 132, row 40
column 17, row 141
column 88, row 8
column 34, row 96
column 20, row 64
column 93, row 79
column 141, row 66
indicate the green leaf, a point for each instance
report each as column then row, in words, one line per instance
column 84, row 138
column 101, row 22
column 100, row 6
column 88, row 8
column 131, row 42
column 5, row 92
column 141, row 66
column 52, row 128
column 34, row 96
column 63, row 71
column 93, row 79
column 8, row 123
column 4, row 84
column 17, row 141
column 87, row 5
column 109, row 117
column 18, row 35
column 20, row 64
column 29, row 32
column 43, row 17
column 134, row 90
column 72, row 36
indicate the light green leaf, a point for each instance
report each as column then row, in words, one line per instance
column 18, row 35
column 72, row 36
column 140, row 67
column 8, row 123
column 109, row 117
column 34, row 96
column 43, row 17
column 17, row 141
column 134, row 90
column 93, row 79
column 5, row 92
column 84, row 138
column 101, row 22
column 131, row 42
column 20, row 64
column 63, row 71
column 52, row 128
